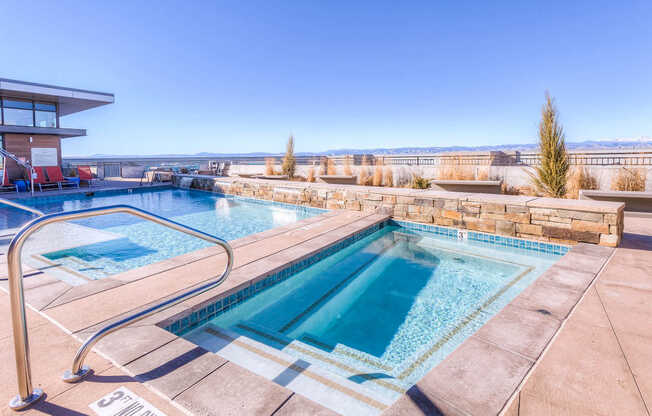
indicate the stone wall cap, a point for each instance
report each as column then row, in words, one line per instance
column 616, row 194
column 338, row 176
column 426, row 193
column 465, row 182
column 578, row 205
column 275, row 177
column 501, row 199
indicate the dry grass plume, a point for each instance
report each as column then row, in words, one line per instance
column 629, row 180
column 388, row 177
column 330, row 167
column 311, row 174
column 363, row 177
column 580, row 178
column 269, row 166
column 378, row 173
column 348, row 171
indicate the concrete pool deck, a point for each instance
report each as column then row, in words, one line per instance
column 597, row 363
column 601, row 362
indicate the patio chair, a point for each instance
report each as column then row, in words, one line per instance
column 55, row 175
column 41, row 180
column 85, row 174
column 218, row 169
column 6, row 185
column 224, row 171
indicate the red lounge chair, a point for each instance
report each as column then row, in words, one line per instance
column 55, row 175
column 41, row 180
column 6, row 185
column 85, row 174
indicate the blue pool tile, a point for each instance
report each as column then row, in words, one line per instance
column 222, row 305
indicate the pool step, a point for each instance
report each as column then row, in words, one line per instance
column 294, row 372
column 344, row 361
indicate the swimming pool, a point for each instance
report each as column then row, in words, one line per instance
column 376, row 316
column 128, row 242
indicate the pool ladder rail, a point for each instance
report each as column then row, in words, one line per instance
column 27, row 395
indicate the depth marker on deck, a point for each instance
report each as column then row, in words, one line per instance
column 124, row 402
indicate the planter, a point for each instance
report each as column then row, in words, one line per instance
column 273, row 177
column 483, row 187
column 634, row 201
column 338, row 179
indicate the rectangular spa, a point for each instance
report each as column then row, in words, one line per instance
column 356, row 328
column 103, row 246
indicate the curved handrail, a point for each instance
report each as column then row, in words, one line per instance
column 27, row 395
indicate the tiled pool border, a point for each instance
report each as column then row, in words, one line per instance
column 222, row 304
column 504, row 241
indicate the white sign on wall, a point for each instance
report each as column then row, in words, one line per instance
column 44, row 156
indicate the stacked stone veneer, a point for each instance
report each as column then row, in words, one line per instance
column 547, row 219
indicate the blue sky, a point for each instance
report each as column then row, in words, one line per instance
column 239, row 76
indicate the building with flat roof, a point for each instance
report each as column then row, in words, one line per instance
column 29, row 120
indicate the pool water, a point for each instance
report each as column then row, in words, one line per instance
column 132, row 242
column 383, row 311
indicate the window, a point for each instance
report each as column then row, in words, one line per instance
column 45, row 119
column 16, row 117
column 45, row 107
column 17, row 112
column 9, row 103
column 45, row 114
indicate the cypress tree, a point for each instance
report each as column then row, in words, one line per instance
column 550, row 177
column 289, row 162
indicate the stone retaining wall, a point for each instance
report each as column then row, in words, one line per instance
column 548, row 219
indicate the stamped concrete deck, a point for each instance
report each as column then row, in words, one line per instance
column 598, row 363
column 601, row 362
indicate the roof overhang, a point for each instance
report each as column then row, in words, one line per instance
column 70, row 100
column 63, row 133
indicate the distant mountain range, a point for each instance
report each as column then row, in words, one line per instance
column 607, row 144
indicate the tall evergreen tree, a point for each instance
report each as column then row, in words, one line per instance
column 289, row 162
column 550, row 177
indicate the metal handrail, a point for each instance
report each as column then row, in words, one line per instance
column 24, row 164
column 26, row 394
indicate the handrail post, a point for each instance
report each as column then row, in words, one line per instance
column 26, row 394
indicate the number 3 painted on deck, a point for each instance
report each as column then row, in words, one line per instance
column 106, row 402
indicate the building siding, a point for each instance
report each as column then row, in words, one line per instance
column 19, row 145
